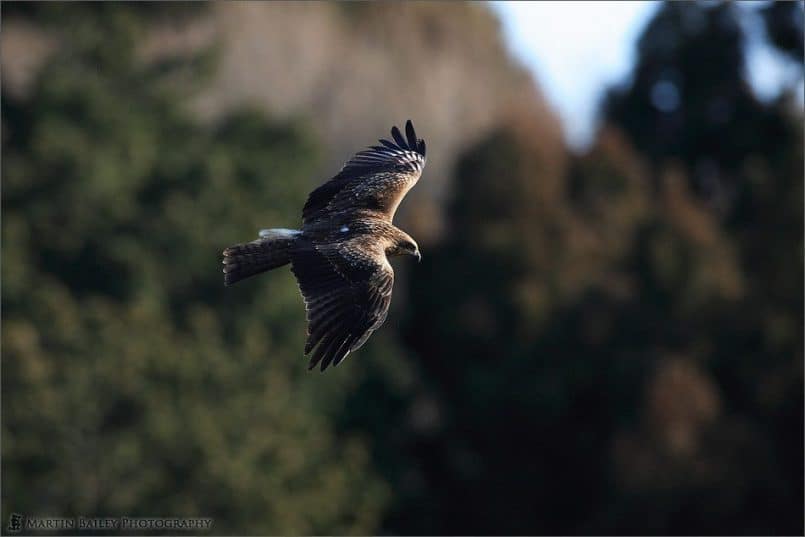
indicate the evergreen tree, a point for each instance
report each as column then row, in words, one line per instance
column 616, row 346
column 133, row 382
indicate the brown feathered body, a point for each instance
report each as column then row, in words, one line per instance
column 340, row 254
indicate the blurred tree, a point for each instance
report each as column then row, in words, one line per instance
column 785, row 22
column 689, row 103
column 133, row 384
column 542, row 359
column 689, row 99
column 615, row 345
column 608, row 343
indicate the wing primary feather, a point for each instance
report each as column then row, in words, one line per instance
column 332, row 349
column 342, row 350
column 320, row 331
column 421, row 147
column 387, row 143
column 335, row 335
column 395, row 132
column 345, row 349
column 411, row 135
column 321, row 350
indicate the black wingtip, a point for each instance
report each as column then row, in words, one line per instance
column 411, row 135
column 395, row 133
column 410, row 142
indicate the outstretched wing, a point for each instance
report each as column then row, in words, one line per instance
column 347, row 291
column 375, row 179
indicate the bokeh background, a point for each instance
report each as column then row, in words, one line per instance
column 603, row 337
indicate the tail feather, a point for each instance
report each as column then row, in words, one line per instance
column 248, row 259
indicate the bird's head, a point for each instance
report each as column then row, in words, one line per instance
column 406, row 246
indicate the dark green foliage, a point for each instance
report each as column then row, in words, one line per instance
column 689, row 100
column 610, row 347
column 785, row 22
column 133, row 382
column 600, row 344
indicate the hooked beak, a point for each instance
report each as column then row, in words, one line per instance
column 418, row 257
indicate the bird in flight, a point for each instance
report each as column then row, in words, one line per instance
column 340, row 255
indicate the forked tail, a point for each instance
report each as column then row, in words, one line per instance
column 271, row 250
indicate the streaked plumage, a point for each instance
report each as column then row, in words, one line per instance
column 340, row 255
